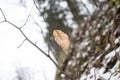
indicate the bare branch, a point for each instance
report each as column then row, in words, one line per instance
column 26, row 38
column 12, row 24
column 40, row 12
column 21, row 43
column 45, row 23
column 27, row 18
column 3, row 14
column 2, row 21
column 34, row 44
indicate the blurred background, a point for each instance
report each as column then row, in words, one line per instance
column 93, row 27
column 94, row 31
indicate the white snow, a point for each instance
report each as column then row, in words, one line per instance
column 29, row 62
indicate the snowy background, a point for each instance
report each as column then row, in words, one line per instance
column 25, row 62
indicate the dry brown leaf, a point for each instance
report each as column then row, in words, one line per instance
column 62, row 39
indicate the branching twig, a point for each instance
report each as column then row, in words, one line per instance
column 27, row 18
column 34, row 44
column 26, row 38
column 21, row 43
column 3, row 14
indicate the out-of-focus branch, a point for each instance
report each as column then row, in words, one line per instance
column 85, row 7
column 45, row 23
column 74, row 10
column 112, row 74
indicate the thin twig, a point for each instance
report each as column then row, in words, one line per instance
column 3, row 14
column 27, row 18
column 34, row 44
column 40, row 12
column 21, row 43
column 12, row 24
column 2, row 21
column 46, row 25
column 26, row 38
